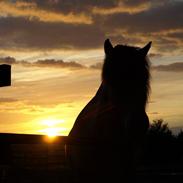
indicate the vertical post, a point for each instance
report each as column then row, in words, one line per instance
column 5, row 75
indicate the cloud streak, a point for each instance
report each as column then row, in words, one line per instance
column 43, row 63
column 121, row 8
column 8, row 100
column 174, row 67
column 32, row 12
column 43, row 36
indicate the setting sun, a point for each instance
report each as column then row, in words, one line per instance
column 51, row 132
column 52, row 127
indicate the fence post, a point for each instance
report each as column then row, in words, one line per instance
column 5, row 75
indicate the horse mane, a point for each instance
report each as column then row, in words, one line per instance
column 126, row 72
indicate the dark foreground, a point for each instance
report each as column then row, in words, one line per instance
column 29, row 158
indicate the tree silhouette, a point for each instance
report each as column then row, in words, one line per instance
column 180, row 136
column 160, row 143
column 160, row 129
column 179, row 148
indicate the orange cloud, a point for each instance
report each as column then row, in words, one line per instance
column 121, row 8
column 30, row 10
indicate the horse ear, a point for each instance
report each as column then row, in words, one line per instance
column 108, row 47
column 145, row 49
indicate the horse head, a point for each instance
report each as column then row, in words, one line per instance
column 126, row 71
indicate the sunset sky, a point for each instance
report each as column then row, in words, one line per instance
column 55, row 48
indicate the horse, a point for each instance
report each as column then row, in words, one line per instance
column 114, row 122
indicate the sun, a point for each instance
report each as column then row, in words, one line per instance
column 52, row 132
column 52, row 127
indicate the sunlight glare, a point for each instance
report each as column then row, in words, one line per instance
column 52, row 122
column 52, row 132
column 51, row 127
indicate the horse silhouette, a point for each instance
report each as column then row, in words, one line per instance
column 115, row 119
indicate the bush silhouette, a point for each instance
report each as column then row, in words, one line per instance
column 161, row 144
column 159, row 129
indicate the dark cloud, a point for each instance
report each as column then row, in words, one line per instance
column 43, row 63
column 124, row 39
column 57, row 63
column 151, row 25
column 176, row 35
column 30, row 33
column 174, row 67
column 75, row 6
column 152, row 55
column 97, row 66
column 166, row 45
column 140, row 2
column 161, row 18
column 50, row 63
column 165, row 41
column 78, row 6
column 23, row 33
column 8, row 60
column 135, row 2
column 7, row 100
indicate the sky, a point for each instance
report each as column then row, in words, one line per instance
column 55, row 48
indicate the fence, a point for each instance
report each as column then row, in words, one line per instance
column 30, row 158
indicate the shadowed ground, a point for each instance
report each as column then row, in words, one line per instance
column 28, row 158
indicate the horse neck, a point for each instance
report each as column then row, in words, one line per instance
column 102, row 93
column 126, row 103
